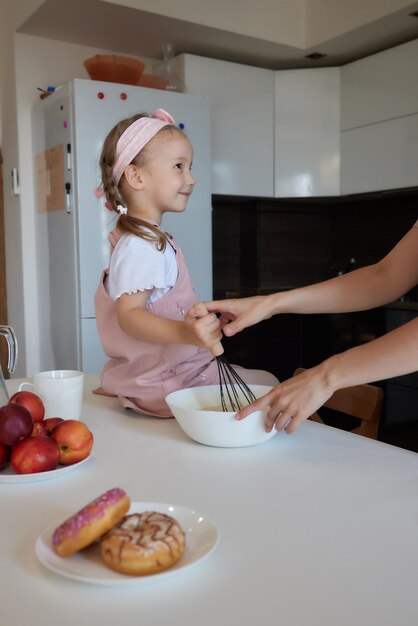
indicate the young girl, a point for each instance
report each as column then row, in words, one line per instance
column 155, row 341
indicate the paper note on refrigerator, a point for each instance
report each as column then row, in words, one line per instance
column 50, row 184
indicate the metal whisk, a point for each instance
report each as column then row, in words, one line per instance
column 234, row 392
column 232, row 388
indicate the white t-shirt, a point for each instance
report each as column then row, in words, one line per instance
column 137, row 265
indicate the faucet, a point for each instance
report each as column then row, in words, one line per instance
column 9, row 334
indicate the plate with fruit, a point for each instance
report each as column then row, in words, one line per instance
column 33, row 448
column 9, row 475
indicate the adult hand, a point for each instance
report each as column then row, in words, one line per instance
column 292, row 401
column 237, row 314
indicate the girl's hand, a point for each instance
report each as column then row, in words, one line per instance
column 237, row 314
column 204, row 328
column 292, row 401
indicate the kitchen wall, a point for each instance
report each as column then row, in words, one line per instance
column 12, row 14
column 8, row 134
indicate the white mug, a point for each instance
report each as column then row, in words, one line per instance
column 61, row 391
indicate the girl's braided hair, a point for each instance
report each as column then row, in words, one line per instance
column 113, row 193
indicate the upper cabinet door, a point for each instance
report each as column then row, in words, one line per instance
column 380, row 156
column 307, row 132
column 379, row 121
column 380, row 87
column 242, row 112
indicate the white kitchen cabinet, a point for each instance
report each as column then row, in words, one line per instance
column 307, row 132
column 380, row 87
column 380, row 156
column 242, row 112
column 379, row 121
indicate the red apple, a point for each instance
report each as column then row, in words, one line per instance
column 4, row 455
column 31, row 402
column 50, row 423
column 15, row 423
column 35, row 454
column 74, row 440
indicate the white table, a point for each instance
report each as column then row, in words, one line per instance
column 317, row 528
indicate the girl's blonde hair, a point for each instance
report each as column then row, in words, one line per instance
column 113, row 193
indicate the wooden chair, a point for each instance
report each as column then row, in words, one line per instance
column 361, row 401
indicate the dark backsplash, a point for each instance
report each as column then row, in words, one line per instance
column 264, row 245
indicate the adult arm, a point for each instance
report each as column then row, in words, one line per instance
column 362, row 289
column 294, row 400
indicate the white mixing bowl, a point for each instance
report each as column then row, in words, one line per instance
column 198, row 412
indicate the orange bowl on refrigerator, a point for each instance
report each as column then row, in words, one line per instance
column 152, row 81
column 114, row 69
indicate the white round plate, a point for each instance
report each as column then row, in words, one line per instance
column 202, row 536
column 8, row 475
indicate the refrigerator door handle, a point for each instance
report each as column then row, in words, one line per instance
column 68, row 196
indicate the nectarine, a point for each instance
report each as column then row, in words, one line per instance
column 50, row 423
column 31, row 402
column 39, row 430
column 4, row 455
column 35, row 454
column 15, row 423
column 74, row 440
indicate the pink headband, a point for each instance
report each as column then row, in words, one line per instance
column 135, row 137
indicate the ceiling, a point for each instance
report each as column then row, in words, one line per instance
column 135, row 32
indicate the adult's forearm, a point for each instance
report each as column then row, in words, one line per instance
column 362, row 289
column 393, row 354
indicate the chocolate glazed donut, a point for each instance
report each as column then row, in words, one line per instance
column 143, row 544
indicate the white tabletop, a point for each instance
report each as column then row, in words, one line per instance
column 317, row 528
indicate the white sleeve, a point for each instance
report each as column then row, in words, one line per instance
column 136, row 265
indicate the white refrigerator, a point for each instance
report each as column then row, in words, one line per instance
column 72, row 225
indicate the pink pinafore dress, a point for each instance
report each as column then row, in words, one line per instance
column 141, row 373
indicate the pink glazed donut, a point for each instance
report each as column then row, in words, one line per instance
column 91, row 522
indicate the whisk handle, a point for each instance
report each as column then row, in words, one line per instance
column 201, row 311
